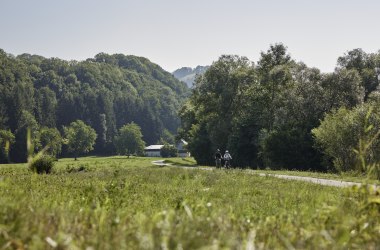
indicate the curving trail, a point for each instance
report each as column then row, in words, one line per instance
column 324, row 182
column 319, row 181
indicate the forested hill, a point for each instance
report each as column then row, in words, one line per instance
column 106, row 92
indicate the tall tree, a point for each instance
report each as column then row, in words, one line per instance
column 366, row 65
column 216, row 101
column 6, row 140
column 129, row 140
column 343, row 88
column 274, row 72
column 26, row 122
column 80, row 138
column 46, row 105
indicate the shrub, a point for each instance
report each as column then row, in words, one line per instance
column 42, row 164
column 340, row 131
column 169, row 151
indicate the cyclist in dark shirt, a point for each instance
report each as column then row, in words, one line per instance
column 218, row 158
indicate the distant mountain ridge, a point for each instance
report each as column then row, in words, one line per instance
column 187, row 74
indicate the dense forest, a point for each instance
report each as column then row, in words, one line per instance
column 281, row 114
column 276, row 113
column 105, row 92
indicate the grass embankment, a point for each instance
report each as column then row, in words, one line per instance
column 349, row 176
column 120, row 203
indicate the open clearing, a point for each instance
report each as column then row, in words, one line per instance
column 120, row 203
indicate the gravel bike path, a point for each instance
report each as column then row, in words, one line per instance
column 325, row 182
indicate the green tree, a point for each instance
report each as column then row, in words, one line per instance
column 6, row 140
column 129, row 140
column 168, row 151
column 274, row 71
column 80, row 138
column 299, row 108
column 365, row 65
column 342, row 88
column 200, row 146
column 52, row 139
column 27, row 121
column 340, row 131
column 46, row 105
column 166, row 137
column 106, row 92
column 217, row 99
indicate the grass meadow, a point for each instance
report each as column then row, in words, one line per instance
column 120, row 203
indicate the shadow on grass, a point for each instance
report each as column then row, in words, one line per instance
column 182, row 163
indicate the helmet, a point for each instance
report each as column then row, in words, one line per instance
column 226, row 151
column 218, row 150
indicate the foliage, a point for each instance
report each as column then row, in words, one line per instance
column 7, row 138
column 168, row 151
column 129, row 140
column 340, row 131
column 119, row 204
column 217, row 97
column 26, row 123
column 52, row 139
column 265, row 113
column 80, row 137
column 39, row 163
column 42, row 164
column 106, row 92
column 366, row 65
column 166, row 137
column 200, row 145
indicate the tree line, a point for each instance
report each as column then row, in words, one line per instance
column 273, row 113
column 105, row 92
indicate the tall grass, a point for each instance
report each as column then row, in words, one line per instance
column 119, row 203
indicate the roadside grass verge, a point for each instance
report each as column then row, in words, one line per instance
column 353, row 177
column 349, row 176
column 120, row 203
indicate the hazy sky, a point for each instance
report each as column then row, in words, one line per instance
column 175, row 33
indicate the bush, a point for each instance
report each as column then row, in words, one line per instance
column 169, row 151
column 42, row 164
column 341, row 131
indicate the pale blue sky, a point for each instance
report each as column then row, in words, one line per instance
column 174, row 33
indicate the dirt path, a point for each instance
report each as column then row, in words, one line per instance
column 160, row 163
column 324, row 182
column 319, row 181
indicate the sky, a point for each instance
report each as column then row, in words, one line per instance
column 177, row 33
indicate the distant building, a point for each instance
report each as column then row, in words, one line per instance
column 182, row 149
column 155, row 150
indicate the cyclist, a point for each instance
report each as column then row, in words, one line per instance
column 218, row 159
column 227, row 159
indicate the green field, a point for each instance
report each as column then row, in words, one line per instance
column 120, row 203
